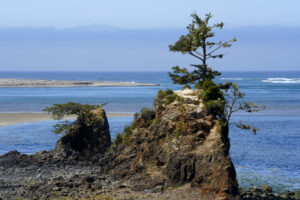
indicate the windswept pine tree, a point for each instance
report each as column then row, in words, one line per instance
column 221, row 99
column 199, row 43
column 58, row 111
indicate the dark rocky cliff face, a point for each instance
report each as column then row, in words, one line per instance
column 182, row 144
column 88, row 139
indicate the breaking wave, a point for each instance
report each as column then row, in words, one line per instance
column 282, row 80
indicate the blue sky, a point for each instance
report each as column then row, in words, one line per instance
column 146, row 13
column 118, row 35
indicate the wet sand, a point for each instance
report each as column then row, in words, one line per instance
column 61, row 83
column 15, row 118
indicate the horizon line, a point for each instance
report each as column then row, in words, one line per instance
column 144, row 71
column 107, row 27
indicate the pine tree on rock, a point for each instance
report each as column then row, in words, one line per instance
column 197, row 43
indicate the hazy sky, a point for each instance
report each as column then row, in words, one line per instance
column 116, row 35
column 146, row 13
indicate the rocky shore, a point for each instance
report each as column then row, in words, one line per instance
column 176, row 151
column 67, row 83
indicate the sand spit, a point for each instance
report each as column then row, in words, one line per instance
column 16, row 118
column 60, row 83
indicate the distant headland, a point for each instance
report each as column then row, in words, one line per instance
column 12, row 82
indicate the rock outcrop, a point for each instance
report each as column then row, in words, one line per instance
column 181, row 144
column 88, row 139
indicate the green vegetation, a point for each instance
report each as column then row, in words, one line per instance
column 222, row 100
column 58, row 111
column 147, row 115
column 62, row 127
column 297, row 193
column 233, row 104
column 197, row 43
column 213, row 97
column 123, row 137
column 167, row 97
column 20, row 198
column 180, row 129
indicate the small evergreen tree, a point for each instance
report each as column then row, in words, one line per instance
column 58, row 111
column 197, row 43
column 222, row 100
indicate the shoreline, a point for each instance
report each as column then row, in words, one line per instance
column 32, row 83
column 7, row 119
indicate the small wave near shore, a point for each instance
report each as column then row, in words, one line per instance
column 267, row 80
column 282, row 80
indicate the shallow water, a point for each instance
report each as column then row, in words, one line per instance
column 272, row 156
column 31, row 137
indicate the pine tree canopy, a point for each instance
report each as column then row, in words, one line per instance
column 197, row 43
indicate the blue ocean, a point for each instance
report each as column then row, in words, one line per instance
column 272, row 156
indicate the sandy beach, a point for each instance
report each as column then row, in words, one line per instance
column 61, row 83
column 15, row 118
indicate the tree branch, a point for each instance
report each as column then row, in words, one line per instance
column 198, row 53
column 215, row 49
column 195, row 55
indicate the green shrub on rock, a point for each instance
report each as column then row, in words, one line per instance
column 123, row 138
column 210, row 91
column 297, row 194
column 119, row 139
column 167, row 97
column 83, row 112
column 216, row 107
column 212, row 97
column 146, row 114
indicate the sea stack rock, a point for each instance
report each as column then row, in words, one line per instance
column 88, row 139
column 179, row 144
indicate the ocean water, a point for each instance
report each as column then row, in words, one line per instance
column 270, row 157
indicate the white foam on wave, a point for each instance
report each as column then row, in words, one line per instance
column 282, row 80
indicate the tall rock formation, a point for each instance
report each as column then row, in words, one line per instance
column 88, row 139
column 178, row 144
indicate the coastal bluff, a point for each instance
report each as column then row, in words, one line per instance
column 177, row 151
column 178, row 144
